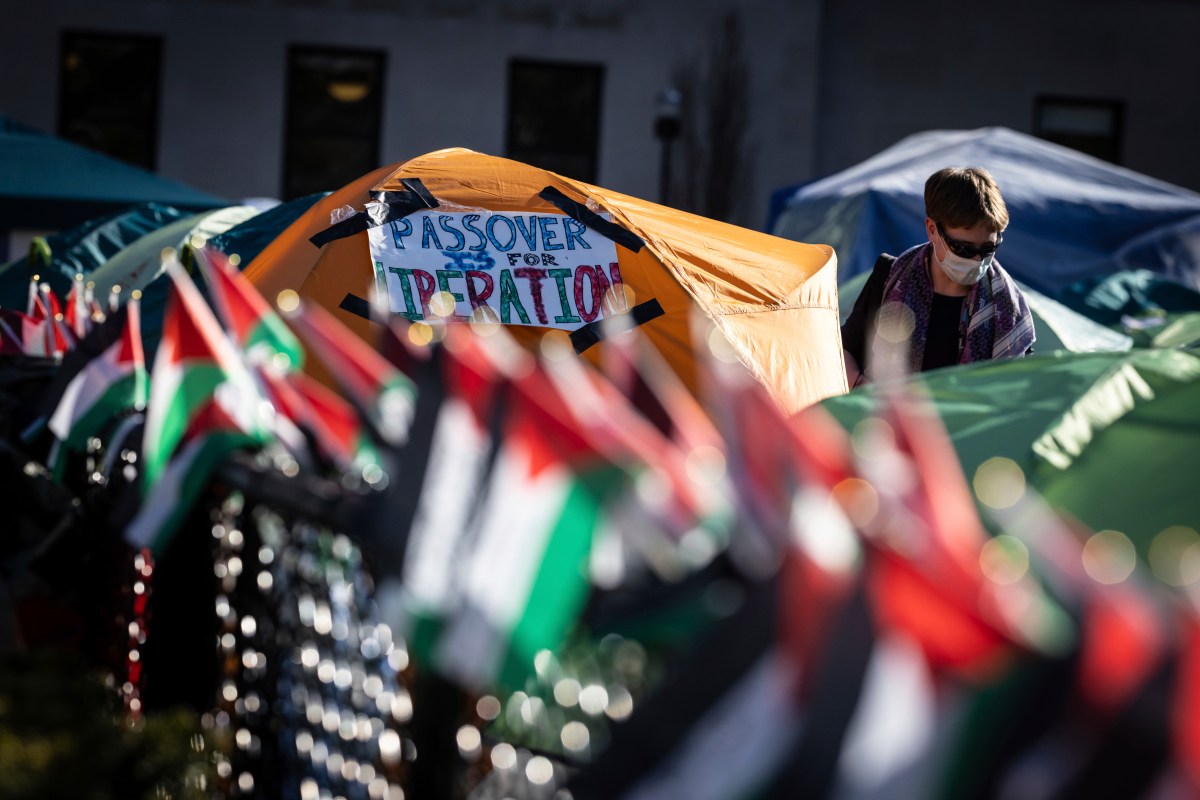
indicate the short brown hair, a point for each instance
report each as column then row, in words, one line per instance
column 963, row 197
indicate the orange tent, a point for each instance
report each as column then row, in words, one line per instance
column 774, row 300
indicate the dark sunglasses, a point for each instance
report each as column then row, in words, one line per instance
column 966, row 249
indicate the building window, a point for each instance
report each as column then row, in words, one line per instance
column 334, row 114
column 108, row 98
column 554, row 116
column 1089, row 126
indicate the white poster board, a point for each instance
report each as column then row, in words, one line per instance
column 546, row 270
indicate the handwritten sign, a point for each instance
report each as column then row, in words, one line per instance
column 548, row 270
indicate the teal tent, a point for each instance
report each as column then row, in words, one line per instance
column 247, row 239
column 58, row 258
column 47, row 183
column 140, row 262
column 1111, row 299
column 139, row 265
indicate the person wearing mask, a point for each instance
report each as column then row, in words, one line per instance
column 946, row 301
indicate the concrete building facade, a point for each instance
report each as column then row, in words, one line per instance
column 820, row 84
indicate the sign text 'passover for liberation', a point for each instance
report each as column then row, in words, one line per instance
column 548, row 270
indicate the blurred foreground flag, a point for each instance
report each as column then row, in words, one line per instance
column 248, row 317
column 113, row 382
column 203, row 406
column 527, row 577
column 382, row 394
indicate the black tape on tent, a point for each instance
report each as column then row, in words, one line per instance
column 399, row 205
column 357, row 306
column 581, row 213
column 593, row 332
column 418, row 188
column 581, row 338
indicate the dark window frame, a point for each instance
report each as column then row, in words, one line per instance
column 1113, row 105
column 295, row 51
column 154, row 115
column 588, row 70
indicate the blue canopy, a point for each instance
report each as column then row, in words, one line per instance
column 1073, row 217
column 47, row 183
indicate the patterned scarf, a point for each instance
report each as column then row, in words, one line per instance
column 995, row 323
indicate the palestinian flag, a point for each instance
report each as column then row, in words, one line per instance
column 326, row 417
column 524, row 578
column 16, row 328
column 78, row 316
column 107, row 386
column 497, row 564
column 249, row 319
column 202, row 407
column 759, row 706
column 48, row 335
column 443, row 466
column 382, row 394
column 693, row 493
column 927, row 555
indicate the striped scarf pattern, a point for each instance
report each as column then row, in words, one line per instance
column 996, row 322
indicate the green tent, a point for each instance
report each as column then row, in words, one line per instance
column 1113, row 438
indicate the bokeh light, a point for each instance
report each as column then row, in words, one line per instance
column 469, row 741
column 420, row 333
column 1004, row 559
column 487, row 707
column 1109, row 557
column 556, row 346
column 872, row 435
column 1175, row 556
column 539, row 770
column 593, row 699
column 442, row 304
column 566, row 692
column 858, row 500
column 287, row 301
column 504, row 756
column 720, row 347
column 999, row 483
column 895, row 322
column 705, row 465
column 575, row 736
column 484, row 321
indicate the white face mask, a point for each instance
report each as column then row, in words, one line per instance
column 963, row 271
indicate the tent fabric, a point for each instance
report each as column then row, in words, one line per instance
column 247, row 239
column 1057, row 326
column 774, row 300
column 1108, row 299
column 139, row 265
column 1109, row 437
column 52, row 184
column 1072, row 216
column 58, row 258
